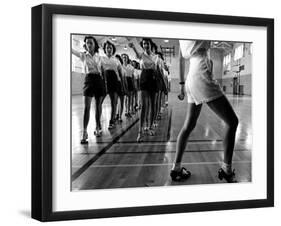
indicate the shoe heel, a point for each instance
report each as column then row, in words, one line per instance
column 173, row 175
column 220, row 174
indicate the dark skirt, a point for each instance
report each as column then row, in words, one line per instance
column 112, row 83
column 161, row 86
column 121, row 90
column 130, row 84
column 148, row 80
column 137, row 84
column 94, row 85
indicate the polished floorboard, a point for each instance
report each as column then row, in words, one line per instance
column 116, row 160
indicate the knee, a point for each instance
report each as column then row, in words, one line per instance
column 233, row 123
column 87, row 107
column 188, row 127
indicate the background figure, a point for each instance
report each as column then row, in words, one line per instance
column 94, row 85
column 123, row 90
column 135, row 65
column 111, row 69
column 130, row 82
column 148, row 63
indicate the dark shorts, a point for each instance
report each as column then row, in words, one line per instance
column 113, row 85
column 94, row 86
column 121, row 89
column 148, row 80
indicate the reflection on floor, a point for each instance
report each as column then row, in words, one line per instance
column 116, row 160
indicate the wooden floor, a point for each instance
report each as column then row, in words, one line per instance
column 116, row 160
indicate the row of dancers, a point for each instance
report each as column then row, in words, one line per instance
column 139, row 85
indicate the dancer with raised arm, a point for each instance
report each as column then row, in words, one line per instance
column 94, row 85
column 148, row 63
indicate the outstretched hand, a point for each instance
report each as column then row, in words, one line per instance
column 131, row 45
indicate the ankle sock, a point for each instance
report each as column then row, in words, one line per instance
column 227, row 168
column 176, row 166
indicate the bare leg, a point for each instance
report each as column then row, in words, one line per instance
column 179, row 173
column 99, row 101
column 121, row 106
column 224, row 110
column 113, row 100
column 86, row 116
column 111, row 96
column 156, row 106
column 193, row 112
column 126, row 103
column 136, row 99
column 160, row 102
column 129, row 102
column 144, row 108
column 152, row 108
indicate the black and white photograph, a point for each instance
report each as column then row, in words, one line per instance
column 152, row 111
column 140, row 112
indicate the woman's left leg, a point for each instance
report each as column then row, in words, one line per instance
column 224, row 110
column 121, row 107
column 152, row 108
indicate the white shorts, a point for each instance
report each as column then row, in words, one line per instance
column 200, row 85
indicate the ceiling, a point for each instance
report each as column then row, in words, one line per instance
column 122, row 42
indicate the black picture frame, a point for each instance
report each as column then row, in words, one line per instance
column 42, row 111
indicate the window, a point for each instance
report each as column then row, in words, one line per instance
column 238, row 52
column 77, row 65
column 251, row 49
column 226, row 61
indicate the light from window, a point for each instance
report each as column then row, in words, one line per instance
column 251, row 48
column 226, row 61
column 238, row 53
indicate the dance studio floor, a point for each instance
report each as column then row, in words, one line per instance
column 116, row 160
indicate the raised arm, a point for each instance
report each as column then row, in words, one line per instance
column 138, row 54
column 76, row 53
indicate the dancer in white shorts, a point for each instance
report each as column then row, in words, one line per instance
column 202, row 88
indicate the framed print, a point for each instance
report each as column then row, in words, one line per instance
column 147, row 112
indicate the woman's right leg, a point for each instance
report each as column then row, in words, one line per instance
column 99, row 101
column 86, row 118
column 136, row 100
column 121, row 108
column 193, row 112
column 87, row 107
column 113, row 98
column 130, row 103
column 156, row 106
column 152, row 113
column 143, row 113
